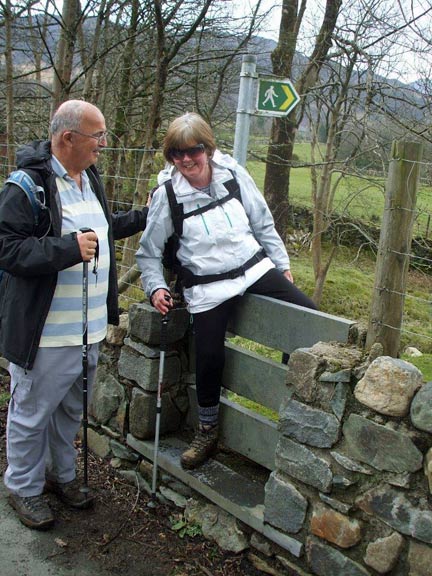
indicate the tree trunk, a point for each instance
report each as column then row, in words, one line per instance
column 146, row 167
column 10, row 126
column 65, row 53
column 124, row 98
column 280, row 151
column 164, row 54
column 89, row 91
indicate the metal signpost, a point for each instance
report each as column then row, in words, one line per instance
column 245, row 107
column 274, row 97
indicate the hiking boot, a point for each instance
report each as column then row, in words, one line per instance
column 70, row 493
column 33, row 511
column 202, row 447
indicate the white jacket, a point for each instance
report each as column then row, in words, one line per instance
column 216, row 241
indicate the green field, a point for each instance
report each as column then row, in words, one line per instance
column 358, row 198
column 348, row 292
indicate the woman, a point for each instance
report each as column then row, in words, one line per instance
column 228, row 246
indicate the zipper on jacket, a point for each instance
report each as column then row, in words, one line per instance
column 204, row 222
column 227, row 217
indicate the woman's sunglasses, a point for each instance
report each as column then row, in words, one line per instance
column 193, row 152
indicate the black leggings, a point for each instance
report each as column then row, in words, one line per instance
column 210, row 328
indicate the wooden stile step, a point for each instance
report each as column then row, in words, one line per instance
column 234, row 493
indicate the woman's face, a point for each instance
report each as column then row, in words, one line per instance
column 193, row 163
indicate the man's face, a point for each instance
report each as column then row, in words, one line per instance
column 89, row 140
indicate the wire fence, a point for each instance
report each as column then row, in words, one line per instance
column 123, row 178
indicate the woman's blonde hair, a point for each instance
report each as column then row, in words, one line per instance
column 186, row 131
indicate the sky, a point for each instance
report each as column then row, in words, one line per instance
column 274, row 7
column 409, row 64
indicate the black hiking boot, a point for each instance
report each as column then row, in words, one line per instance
column 202, row 447
column 70, row 493
column 33, row 511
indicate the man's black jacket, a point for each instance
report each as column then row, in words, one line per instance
column 32, row 257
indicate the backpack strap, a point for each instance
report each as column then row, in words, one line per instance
column 34, row 193
column 177, row 211
column 233, row 187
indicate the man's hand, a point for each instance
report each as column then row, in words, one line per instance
column 88, row 244
column 162, row 301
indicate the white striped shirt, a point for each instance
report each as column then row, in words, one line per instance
column 64, row 323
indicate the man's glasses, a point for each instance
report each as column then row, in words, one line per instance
column 193, row 152
column 99, row 136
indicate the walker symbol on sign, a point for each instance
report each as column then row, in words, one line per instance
column 270, row 94
column 276, row 97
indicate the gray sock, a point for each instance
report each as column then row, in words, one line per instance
column 208, row 415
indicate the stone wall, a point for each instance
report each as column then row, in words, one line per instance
column 352, row 478
column 353, row 475
column 125, row 393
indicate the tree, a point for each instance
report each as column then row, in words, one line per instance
column 9, row 15
column 280, row 150
column 170, row 37
column 353, row 102
column 10, row 131
column 71, row 21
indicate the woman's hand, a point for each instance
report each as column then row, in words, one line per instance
column 162, row 301
column 289, row 276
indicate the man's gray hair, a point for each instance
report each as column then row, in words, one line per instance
column 68, row 116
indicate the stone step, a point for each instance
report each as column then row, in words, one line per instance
column 233, row 492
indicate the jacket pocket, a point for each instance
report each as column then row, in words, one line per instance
column 22, row 396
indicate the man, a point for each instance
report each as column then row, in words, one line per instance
column 41, row 304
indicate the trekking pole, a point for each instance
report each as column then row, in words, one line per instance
column 163, row 346
column 85, row 488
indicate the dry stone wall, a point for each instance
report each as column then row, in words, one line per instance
column 352, row 477
column 351, row 488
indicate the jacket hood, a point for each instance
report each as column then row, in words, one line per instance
column 218, row 160
column 33, row 154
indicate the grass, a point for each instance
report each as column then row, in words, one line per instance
column 349, row 285
column 246, row 403
column 423, row 363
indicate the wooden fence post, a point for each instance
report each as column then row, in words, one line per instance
column 393, row 257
